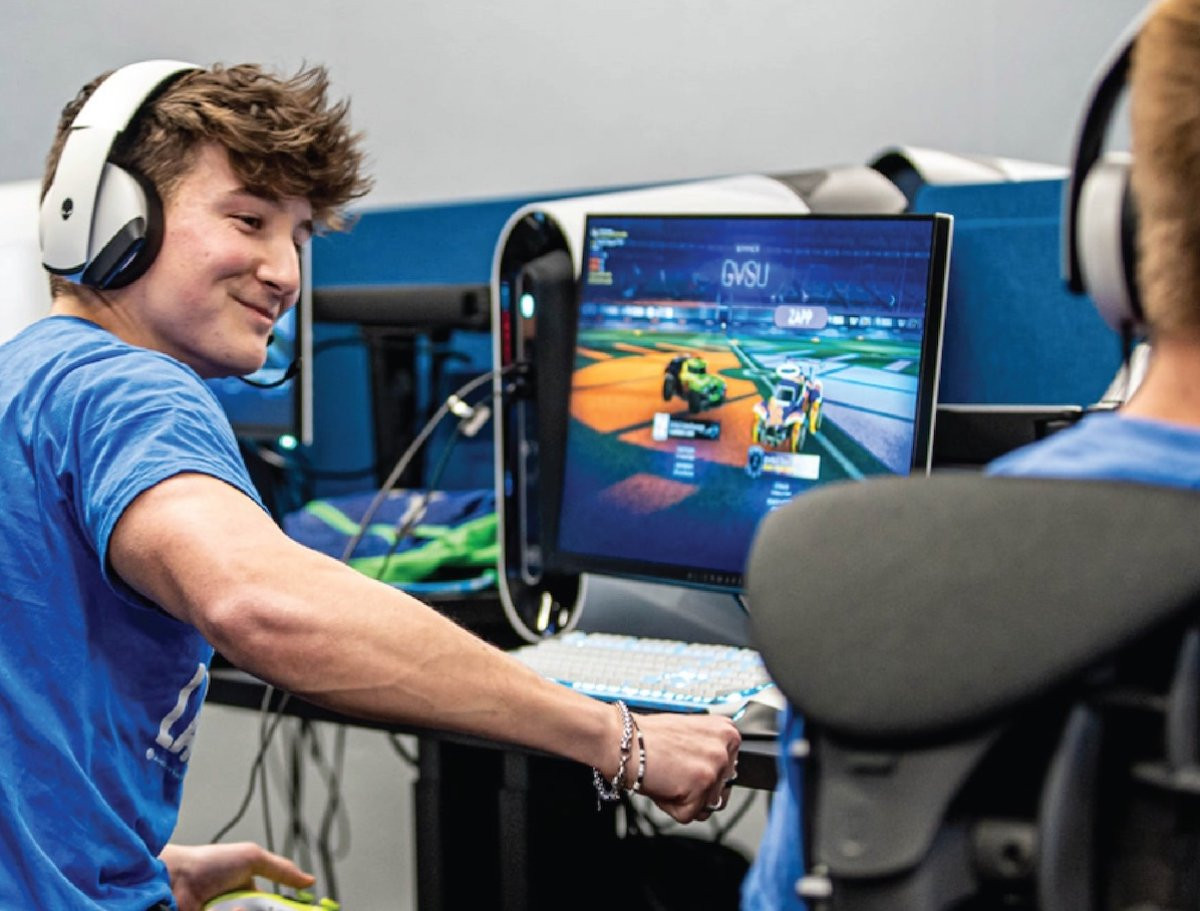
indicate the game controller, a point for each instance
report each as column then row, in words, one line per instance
column 250, row 900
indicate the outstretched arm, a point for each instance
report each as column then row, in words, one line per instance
column 308, row 624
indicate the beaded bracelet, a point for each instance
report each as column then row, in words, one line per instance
column 641, row 772
column 610, row 791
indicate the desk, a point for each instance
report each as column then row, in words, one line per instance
column 499, row 827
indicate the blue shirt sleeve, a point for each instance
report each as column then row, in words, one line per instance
column 131, row 421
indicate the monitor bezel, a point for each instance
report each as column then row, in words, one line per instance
column 560, row 559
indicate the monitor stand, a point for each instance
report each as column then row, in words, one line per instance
column 634, row 608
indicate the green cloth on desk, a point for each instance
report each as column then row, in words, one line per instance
column 452, row 546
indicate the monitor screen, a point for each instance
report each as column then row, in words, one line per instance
column 270, row 412
column 723, row 365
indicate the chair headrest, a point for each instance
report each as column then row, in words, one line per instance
column 908, row 607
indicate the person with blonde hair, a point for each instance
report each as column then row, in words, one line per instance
column 1154, row 438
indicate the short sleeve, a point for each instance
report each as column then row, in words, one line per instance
column 125, row 423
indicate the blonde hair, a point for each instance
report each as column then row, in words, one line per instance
column 1165, row 113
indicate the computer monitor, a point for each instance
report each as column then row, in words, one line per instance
column 268, row 413
column 723, row 365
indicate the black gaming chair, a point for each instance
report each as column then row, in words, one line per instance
column 1001, row 684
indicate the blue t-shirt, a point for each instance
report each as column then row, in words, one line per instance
column 1111, row 447
column 1106, row 446
column 100, row 689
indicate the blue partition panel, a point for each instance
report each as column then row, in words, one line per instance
column 1014, row 333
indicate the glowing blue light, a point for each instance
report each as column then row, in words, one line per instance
column 528, row 305
column 287, row 442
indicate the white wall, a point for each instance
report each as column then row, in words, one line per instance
column 465, row 99
column 24, row 290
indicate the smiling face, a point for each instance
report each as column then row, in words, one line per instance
column 229, row 267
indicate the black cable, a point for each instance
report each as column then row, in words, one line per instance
column 635, row 819
column 264, row 742
column 402, row 750
column 407, row 456
column 414, row 515
column 296, row 462
column 268, row 829
column 333, row 808
column 295, row 843
column 341, row 341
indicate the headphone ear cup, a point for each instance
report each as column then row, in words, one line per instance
column 1106, row 231
column 127, row 229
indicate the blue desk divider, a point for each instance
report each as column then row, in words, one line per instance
column 1014, row 334
column 444, row 244
column 418, row 245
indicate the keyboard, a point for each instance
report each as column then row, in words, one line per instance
column 654, row 674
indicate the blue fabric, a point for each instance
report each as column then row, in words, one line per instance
column 1111, row 446
column 1107, row 446
column 99, row 690
column 1013, row 331
column 770, row 885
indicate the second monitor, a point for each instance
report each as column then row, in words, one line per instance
column 725, row 364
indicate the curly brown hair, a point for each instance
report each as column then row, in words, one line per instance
column 283, row 136
column 1165, row 117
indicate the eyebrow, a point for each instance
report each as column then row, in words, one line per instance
column 308, row 225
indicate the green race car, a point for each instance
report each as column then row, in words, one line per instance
column 687, row 376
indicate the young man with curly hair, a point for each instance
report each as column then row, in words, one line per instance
column 133, row 541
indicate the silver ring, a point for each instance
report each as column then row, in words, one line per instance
column 716, row 806
column 730, row 782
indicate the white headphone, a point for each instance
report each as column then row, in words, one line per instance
column 1100, row 217
column 100, row 224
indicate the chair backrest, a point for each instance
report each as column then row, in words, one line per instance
column 995, row 674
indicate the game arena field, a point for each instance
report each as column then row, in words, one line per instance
column 637, row 488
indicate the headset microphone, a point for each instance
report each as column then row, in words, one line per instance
column 292, row 369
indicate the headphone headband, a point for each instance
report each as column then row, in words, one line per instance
column 92, row 203
column 1099, row 251
column 1089, row 143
